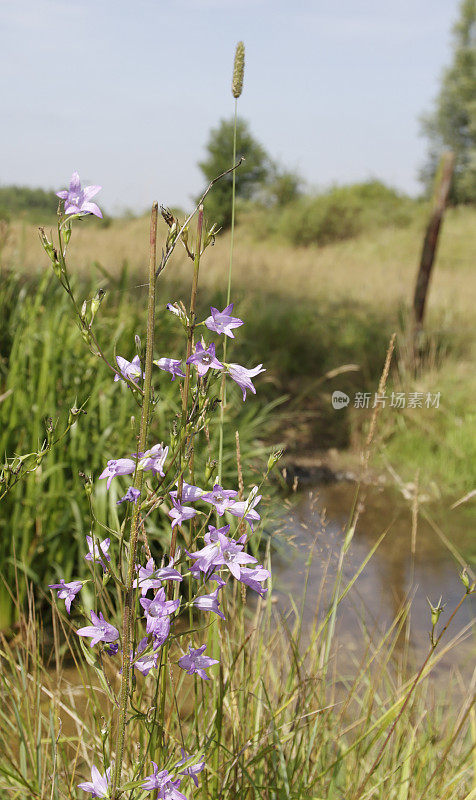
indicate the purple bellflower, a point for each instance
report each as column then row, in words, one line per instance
column 154, row 459
column 220, row 498
column 162, row 781
column 222, row 552
column 99, row 784
column 148, row 661
column 150, row 577
column 209, row 602
column 180, row 513
column 246, row 508
column 129, row 369
column 158, row 608
column 204, row 359
column 172, row 365
column 197, row 574
column 254, row 577
column 190, row 493
column 98, row 553
column 76, row 199
column 195, row 661
column 242, row 376
column 117, row 466
column 222, row 321
column 192, row 771
column 131, row 496
column 100, row 630
column 67, row 591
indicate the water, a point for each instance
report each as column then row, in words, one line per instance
column 315, row 524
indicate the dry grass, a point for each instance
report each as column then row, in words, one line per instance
column 375, row 269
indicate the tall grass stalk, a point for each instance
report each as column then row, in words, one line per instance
column 237, row 86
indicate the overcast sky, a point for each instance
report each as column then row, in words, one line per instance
column 126, row 91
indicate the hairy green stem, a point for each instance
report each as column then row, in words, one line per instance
column 128, row 615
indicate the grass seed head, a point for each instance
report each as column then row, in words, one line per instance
column 238, row 70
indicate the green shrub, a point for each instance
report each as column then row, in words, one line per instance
column 343, row 212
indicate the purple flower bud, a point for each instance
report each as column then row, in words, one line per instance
column 172, row 365
column 131, row 496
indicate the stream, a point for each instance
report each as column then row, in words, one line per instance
column 308, row 545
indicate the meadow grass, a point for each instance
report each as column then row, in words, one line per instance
column 316, row 309
column 285, row 718
column 291, row 715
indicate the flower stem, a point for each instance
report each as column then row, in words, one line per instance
column 228, row 296
column 128, row 615
column 186, row 385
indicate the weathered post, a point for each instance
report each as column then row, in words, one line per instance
column 440, row 195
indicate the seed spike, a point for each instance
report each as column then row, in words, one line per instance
column 238, row 70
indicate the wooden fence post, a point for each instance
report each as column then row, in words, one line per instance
column 440, row 196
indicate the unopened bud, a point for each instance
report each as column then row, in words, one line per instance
column 435, row 611
column 67, row 235
column 73, row 414
column 210, row 468
column 96, row 302
column 238, row 70
column 167, row 215
column 172, row 235
column 465, row 579
column 274, row 458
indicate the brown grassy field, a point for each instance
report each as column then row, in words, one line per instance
column 375, row 269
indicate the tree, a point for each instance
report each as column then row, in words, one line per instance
column 452, row 124
column 250, row 176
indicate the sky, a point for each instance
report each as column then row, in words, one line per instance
column 127, row 91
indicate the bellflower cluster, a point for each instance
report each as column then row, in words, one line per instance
column 216, row 556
